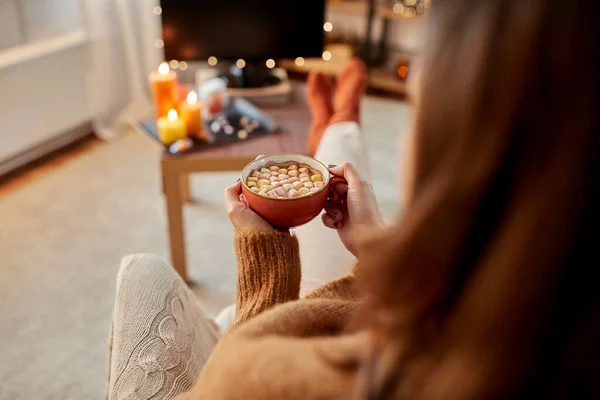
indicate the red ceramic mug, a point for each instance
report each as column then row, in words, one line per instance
column 288, row 212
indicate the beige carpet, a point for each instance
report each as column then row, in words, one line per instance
column 62, row 236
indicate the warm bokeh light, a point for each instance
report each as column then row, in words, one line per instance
column 240, row 63
column 172, row 115
column 299, row 61
column 326, row 55
column 409, row 12
column 183, row 65
column 174, row 64
column 157, row 10
column 420, row 8
column 159, row 43
column 192, row 97
column 403, row 71
column 212, row 61
column 163, row 69
column 410, row 2
column 328, row 26
column 398, row 8
column 270, row 63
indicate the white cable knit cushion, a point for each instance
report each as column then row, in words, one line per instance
column 160, row 337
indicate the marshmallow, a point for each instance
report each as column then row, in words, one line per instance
column 277, row 181
column 263, row 182
column 298, row 185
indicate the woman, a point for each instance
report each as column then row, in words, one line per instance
column 484, row 289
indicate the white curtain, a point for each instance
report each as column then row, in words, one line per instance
column 122, row 52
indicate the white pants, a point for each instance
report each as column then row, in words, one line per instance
column 322, row 254
column 160, row 338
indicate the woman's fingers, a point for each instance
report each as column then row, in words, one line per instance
column 232, row 196
column 329, row 222
column 341, row 189
column 335, row 213
column 348, row 172
column 243, row 200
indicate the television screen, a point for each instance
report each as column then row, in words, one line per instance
column 248, row 29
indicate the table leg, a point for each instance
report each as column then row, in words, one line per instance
column 185, row 188
column 172, row 188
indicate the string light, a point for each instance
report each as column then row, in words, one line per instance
column 174, row 64
column 299, row 61
column 240, row 63
column 403, row 71
column 398, row 8
column 212, row 61
column 183, row 65
column 328, row 26
column 157, row 10
column 159, row 43
column 326, row 55
column 270, row 63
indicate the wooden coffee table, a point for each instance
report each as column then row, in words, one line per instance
column 293, row 121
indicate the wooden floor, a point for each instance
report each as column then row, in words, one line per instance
column 39, row 168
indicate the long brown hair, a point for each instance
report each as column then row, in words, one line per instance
column 485, row 288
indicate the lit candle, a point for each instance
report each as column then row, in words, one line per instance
column 171, row 128
column 164, row 90
column 190, row 112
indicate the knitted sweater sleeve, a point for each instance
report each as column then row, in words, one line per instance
column 268, row 273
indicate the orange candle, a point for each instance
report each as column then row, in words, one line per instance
column 191, row 114
column 164, row 90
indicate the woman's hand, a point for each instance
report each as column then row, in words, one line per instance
column 241, row 216
column 353, row 208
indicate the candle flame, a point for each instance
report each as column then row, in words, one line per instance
column 163, row 68
column 192, row 97
column 172, row 115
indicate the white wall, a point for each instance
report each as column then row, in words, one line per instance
column 40, row 96
column 10, row 32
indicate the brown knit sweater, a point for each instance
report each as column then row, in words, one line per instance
column 281, row 347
